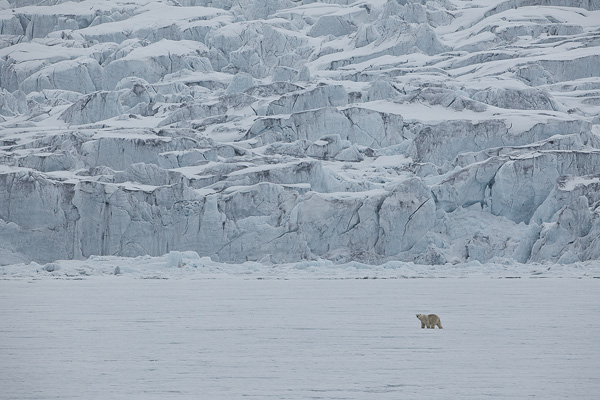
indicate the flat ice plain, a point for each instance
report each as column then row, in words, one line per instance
column 234, row 337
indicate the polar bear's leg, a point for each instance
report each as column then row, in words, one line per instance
column 422, row 325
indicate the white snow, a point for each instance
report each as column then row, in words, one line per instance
column 583, row 181
column 240, row 337
column 192, row 266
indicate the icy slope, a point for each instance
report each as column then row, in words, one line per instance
column 434, row 132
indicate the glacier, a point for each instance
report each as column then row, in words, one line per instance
column 374, row 131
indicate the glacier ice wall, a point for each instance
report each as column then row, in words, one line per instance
column 434, row 131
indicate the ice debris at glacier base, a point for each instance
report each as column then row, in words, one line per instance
column 189, row 265
column 438, row 132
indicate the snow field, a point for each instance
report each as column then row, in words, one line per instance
column 234, row 337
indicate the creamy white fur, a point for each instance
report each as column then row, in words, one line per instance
column 429, row 321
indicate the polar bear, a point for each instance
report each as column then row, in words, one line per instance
column 430, row 321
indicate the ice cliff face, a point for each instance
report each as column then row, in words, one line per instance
column 429, row 131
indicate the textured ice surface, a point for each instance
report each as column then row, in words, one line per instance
column 436, row 132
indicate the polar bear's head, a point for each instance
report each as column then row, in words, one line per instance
column 422, row 317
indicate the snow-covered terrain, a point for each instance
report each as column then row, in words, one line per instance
column 435, row 132
column 224, row 199
column 189, row 265
column 117, row 338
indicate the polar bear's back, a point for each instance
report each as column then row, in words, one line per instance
column 434, row 320
column 430, row 320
